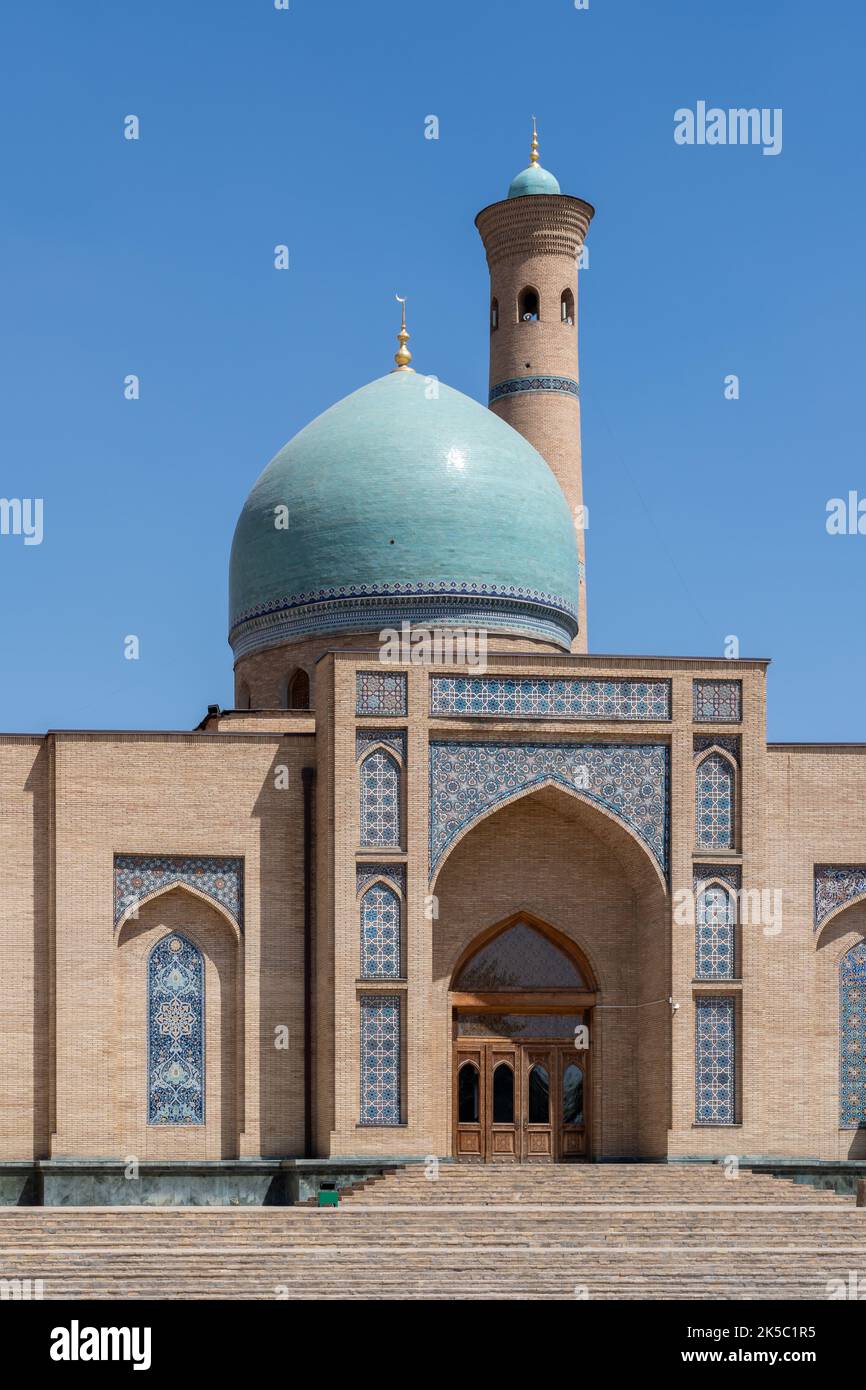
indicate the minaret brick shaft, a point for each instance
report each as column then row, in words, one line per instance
column 532, row 244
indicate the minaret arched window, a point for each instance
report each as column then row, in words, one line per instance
column 494, row 315
column 567, row 307
column 528, row 305
column 243, row 696
column 299, row 691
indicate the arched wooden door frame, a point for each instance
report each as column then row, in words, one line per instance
column 489, row 1140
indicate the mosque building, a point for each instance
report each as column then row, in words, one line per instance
column 546, row 907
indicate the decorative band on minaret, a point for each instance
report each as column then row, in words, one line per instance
column 532, row 240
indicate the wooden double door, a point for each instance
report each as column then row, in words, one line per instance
column 520, row 1102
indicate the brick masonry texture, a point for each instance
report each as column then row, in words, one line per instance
column 534, row 242
column 72, row 995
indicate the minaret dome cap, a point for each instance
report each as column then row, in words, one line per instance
column 533, row 179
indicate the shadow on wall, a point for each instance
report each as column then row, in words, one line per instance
column 570, row 864
column 38, row 785
column 279, row 811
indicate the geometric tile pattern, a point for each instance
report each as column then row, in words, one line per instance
column 380, row 1059
column 380, row 692
column 728, row 873
column 393, row 738
column 562, row 385
column 715, row 1060
column 730, row 743
column 718, row 702
column 395, row 873
column 836, row 885
column 175, row 1050
column 715, row 918
column 220, row 878
column 534, row 698
column 852, row 1041
column 428, row 603
column 519, row 958
column 380, row 801
column 714, row 794
column 380, row 934
column 467, row 779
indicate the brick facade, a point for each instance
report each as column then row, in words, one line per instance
column 73, row 988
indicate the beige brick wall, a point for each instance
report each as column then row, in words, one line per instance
column 644, row 1067
column 265, row 674
column 179, row 794
column 73, row 996
column 25, row 975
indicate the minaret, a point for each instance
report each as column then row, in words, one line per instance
column 532, row 240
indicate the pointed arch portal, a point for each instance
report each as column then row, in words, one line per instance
column 522, row 997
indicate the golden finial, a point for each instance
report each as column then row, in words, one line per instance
column 533, row 158
column 403, row 356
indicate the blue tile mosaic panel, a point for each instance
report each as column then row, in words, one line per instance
column 718, row 702
column 852, row 1039
column 533, row 698
column 381, row 1046
column 730, row 743
column 138, row 875
column 715, row 925
column 728, row 873
column 836, row 885
column 380, row 801
column 374, row 607
column 175, row 1044
column 380, row 692
column 715, row 1060
column 380, row 934
column 560, row 385
column 467, row 779
column 395, row 873
column 714, row 803
column 392, row 738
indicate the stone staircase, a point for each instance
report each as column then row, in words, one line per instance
column 610, row 1231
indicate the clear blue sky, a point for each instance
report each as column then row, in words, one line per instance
column 258, row 126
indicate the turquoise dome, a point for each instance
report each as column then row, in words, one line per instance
column 403, row 505
column 533, row 179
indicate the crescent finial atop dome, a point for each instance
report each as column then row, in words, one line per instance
column 402, row 356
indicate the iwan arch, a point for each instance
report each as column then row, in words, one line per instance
column 386, row 910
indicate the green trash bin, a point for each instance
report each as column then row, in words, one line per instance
column 328, row 1196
